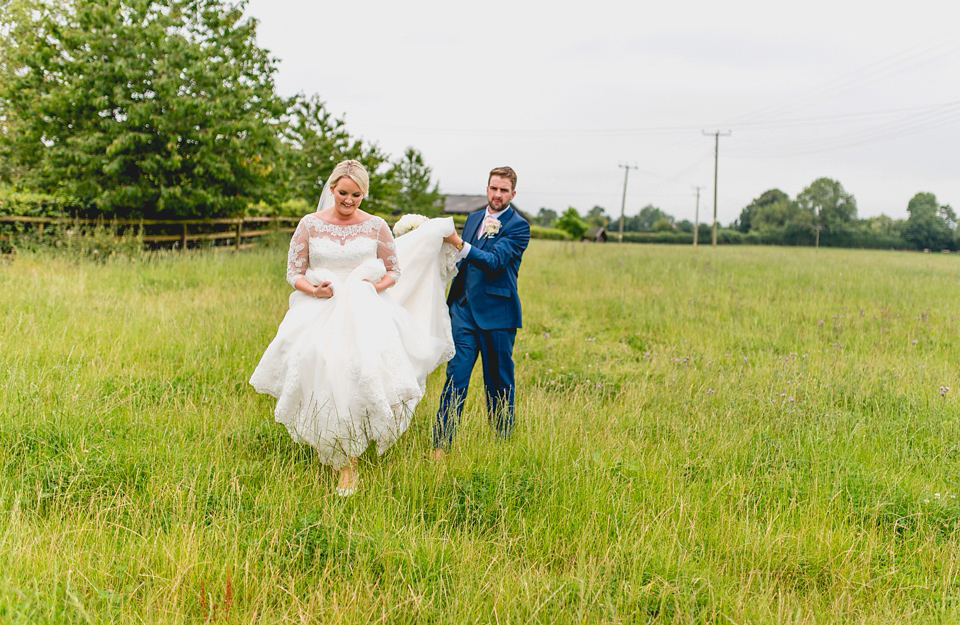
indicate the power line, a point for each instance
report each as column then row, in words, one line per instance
column 758, row 123
column 896, row 63
column 939, row 117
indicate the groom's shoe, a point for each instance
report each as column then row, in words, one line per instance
column 439, row 455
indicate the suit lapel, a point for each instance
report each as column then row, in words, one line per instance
column 503, row 218
column 470, row 229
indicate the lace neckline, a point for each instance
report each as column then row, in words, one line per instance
column 318, row 225
column 316, row 215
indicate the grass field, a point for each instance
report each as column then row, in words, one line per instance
column 731, row 435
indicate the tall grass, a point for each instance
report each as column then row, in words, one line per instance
column 731, row 435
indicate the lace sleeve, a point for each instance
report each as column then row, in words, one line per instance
column 297, row 258
column 387, row 250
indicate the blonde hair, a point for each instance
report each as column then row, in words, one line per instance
column 354, row 170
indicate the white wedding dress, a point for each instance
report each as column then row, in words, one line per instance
column 349, row 371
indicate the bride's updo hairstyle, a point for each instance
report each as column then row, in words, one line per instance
column 354, row 170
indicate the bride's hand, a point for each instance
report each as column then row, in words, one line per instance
column 454, row 239
column 323, row 290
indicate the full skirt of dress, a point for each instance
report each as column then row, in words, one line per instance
column 349, row 371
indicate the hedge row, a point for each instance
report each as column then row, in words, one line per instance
column 28, row 204
column 861, row 239
column 555, row 234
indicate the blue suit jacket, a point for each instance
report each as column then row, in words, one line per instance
column 488, row 274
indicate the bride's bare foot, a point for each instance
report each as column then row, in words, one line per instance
column 349, row 479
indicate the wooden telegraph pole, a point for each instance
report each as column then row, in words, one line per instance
column 716, row 161
column 696, row 219
column 623, row 203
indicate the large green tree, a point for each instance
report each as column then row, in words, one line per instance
column 833, row 208
column 314, row 141
column 783, row 220
column 140, row 107
column 650, row 215
column 414, row 193
column 546, row 217
column 597, row 217
column 930, row 225
column 746, row 221
column 643, row 221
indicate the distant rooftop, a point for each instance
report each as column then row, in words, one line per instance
column 466, row 204
column 463, row 204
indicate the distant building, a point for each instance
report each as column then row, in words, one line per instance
column 597, row 235
column 463, row 204
column 466, row 204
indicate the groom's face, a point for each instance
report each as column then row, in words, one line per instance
column 499, row 192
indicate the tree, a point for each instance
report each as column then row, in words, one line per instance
column 884, row 225
column 141, row 107
column 546, row 217
column 772, row 196
column 649, row 215
column 413, row 179
column 572, row 223
column 312, row 142
column 642, row 222
column 597, row 217
column 662, row 225
column 930, row 225
column 833, row 208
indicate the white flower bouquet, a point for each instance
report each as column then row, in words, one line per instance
column 407, row 223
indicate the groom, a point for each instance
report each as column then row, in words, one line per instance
column 485, row 309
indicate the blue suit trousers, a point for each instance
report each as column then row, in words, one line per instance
column 495, row 348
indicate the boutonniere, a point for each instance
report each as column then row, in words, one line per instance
column 491, row 226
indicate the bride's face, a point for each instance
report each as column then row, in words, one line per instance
column 347, row 197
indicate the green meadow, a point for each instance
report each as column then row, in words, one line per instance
column 729, row 435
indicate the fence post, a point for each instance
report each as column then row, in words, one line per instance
column 183, row 241
column 239, row 231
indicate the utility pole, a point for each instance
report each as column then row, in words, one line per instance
column 623, row 203
column 696, row 219
column 716, row 162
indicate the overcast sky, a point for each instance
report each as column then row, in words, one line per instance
column 566, row 93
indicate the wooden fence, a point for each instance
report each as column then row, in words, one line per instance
column 235, row 233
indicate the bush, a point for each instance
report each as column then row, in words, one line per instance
column 672, row 237
column 555, row 234
column 572, row 223
column 865, row 239
column 99, row 242
column 27, row 204
column 724, row 236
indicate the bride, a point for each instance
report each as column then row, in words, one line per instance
column 349, row 362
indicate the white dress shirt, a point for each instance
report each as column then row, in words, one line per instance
column 466, row 246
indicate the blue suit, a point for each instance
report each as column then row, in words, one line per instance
column 485, row 314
